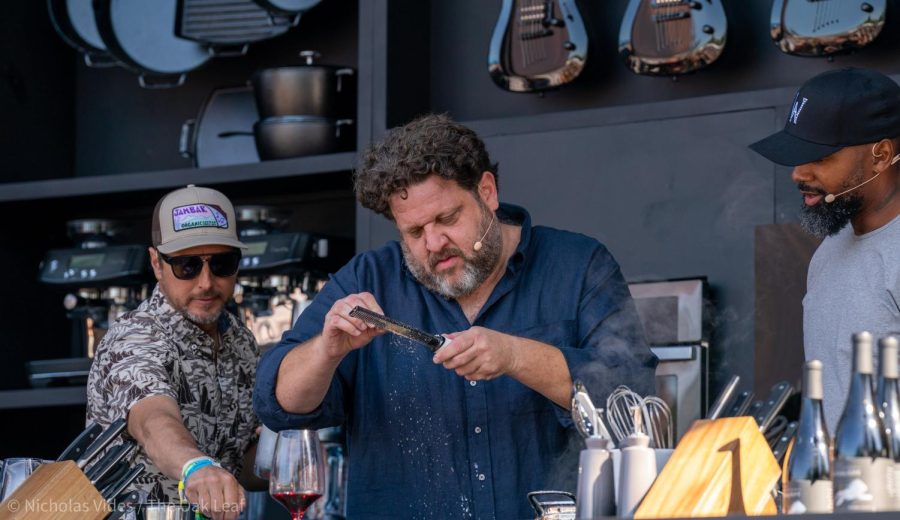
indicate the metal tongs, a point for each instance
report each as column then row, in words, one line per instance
column 587, row 418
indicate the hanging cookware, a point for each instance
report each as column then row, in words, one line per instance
column 310, row 89
column 235, row 23
column 75, row 23
column 288, row 6
column 141, row 35
column 225, row 109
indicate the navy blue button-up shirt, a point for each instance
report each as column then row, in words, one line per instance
column 424, row 442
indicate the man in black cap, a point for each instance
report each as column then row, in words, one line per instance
column 841, row 138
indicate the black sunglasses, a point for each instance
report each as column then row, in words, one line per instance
column 188, row 267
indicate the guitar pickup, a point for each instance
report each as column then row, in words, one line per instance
column 669, row 3
column 671, row 17
column 533, row 35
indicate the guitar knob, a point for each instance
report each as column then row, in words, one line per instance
column 569, row 46
column 696, row 6
column 867, row 7
column 708, row 29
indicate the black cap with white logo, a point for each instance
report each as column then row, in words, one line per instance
column 833, row 110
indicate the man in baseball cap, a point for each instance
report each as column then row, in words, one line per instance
column 841, row 138
column 164, row 365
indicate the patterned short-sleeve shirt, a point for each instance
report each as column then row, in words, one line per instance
column 154, row 350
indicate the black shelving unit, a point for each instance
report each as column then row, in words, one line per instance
column 43, row 397
column 171, row 179
column 112, row 151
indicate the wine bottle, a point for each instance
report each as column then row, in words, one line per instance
column 862, row 463
column 807, row 481
column 889, row 399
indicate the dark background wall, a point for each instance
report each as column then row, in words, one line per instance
column 655, row 168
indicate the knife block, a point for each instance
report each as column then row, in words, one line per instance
column 56, row 491
column 719, row 468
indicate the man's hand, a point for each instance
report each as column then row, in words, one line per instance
column 307, row 370
column 216, row 492
column 478, row 354
column 484, row 354
column 341, row 333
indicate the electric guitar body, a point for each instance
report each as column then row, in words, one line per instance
column 823, row 27
column 537, row 45
column 670, row 37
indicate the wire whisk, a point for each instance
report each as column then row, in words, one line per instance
column 618, row 412
column 656, row 417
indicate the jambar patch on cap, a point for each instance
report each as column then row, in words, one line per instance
column 198, row 216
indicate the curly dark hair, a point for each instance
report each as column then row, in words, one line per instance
column 432, row 144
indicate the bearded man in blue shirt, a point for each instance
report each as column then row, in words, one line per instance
column 468, row 431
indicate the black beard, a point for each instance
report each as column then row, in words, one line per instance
column 826, row 219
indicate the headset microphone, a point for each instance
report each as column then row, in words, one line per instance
column 477, row 245
column 830, row 198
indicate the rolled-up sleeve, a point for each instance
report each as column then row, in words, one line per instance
column 332, row 410
column 612, row 350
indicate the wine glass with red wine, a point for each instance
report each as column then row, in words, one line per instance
column 298, row 473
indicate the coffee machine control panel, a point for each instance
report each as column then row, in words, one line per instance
column 87, row 266
column 305, row 250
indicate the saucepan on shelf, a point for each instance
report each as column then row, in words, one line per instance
column 309, row 89
column 282, row 137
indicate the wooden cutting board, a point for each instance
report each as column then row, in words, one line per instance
column 719, row 468
column 56, row 491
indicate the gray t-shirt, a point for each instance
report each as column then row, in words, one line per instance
column 853, row 285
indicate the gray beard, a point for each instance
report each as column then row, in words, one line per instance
column 200, row 320
column 475, row 269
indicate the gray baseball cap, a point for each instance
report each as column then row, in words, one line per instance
column 194, row 216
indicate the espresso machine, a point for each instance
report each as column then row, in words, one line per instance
column 281, row 271
column 105, row 278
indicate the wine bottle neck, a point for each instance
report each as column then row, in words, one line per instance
column 862, row 353
column 887, row 361
column 812, row 380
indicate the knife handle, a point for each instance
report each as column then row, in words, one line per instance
column 114, row 474
column 780, row 448
column 115, row 488
column 102, row 441
column 99, row 470
column 778, row 396
column 739, row 406
column 74, row 450
column 444, row 342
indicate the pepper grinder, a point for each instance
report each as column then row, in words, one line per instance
column 638, row 469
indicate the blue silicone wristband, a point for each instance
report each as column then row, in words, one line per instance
column 195, row 466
